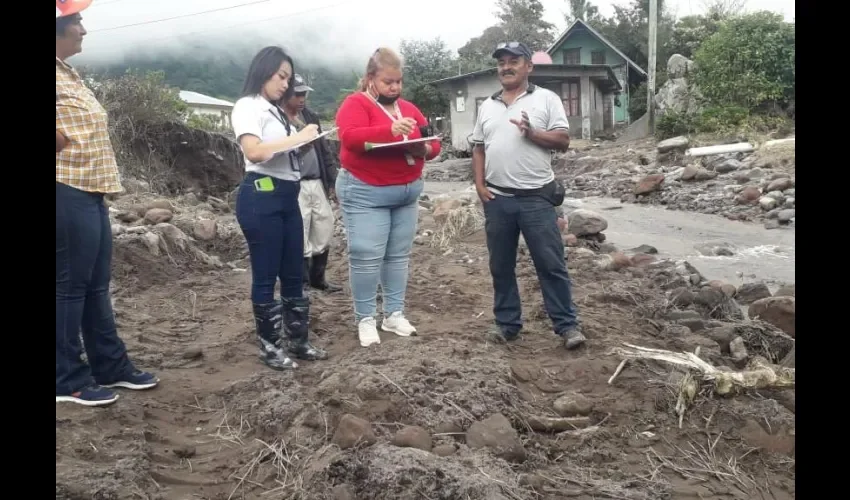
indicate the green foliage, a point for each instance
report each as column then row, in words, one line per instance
column 523, row 20
column 210, row 123
column 690, row 32
column 720, row 120
column 426, row 61
column 749, row 63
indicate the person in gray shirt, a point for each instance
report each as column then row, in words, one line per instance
column 515, row 132
column 318, row 177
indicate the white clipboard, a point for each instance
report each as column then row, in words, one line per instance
column 293, row 148
column 377, row 145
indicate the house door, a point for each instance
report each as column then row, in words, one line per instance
column 607, row 111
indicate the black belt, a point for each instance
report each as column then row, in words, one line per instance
column 311, row 178
column 518, row 192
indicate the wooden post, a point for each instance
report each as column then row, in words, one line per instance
column 650, row 86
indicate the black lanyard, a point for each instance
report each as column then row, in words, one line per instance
column 294, row 156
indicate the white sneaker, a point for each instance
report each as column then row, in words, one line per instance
column 368, row 332
column 398, row 324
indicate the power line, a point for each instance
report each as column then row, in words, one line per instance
column 249, row 23
column 181, row 16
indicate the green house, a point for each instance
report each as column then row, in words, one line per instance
column 580, row 44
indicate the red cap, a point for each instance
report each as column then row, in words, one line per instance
column 70, row 7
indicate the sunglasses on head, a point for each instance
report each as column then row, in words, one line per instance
column 508, row 45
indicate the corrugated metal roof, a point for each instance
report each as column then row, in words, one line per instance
column 203, row 100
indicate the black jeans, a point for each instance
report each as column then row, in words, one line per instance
column 272, row 225
column 535, row 217
column 83, row 303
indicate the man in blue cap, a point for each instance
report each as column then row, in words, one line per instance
column 515, row 132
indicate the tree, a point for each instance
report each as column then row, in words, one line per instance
column 426, row 61
column 581, row 9
column 522, row 20
column 519, row 20
column 749, row 63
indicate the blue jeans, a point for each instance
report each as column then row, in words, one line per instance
column 380, row 223
column 536, row 219
column 83, row 273
column 272, row 225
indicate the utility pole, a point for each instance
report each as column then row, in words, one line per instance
column 650, row 86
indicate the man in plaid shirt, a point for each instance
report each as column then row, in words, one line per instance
column 85, row 171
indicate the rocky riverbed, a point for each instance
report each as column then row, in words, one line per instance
column 749, row 186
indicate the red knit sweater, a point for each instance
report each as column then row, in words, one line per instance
column 361, row 120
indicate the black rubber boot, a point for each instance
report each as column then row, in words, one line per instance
column 268, row 319
column 296, row 321
column 317, row 274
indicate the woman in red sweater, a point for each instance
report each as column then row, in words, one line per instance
column 378, row 191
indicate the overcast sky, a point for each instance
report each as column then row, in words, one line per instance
column 338, row 30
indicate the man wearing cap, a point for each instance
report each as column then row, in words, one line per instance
column 515, row 132
column 318, row 177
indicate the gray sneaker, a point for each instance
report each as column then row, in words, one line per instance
column 573, row 338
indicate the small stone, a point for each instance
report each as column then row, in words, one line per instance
column 413, row 436
column 738, row 351
column 751, row 292
column 785, row 216
column 352, row 431
column 443, row 450
column 128, row 216
column 680, row 142
column 161, row 203
column 749, row 195
column 572, row 405
column 193, row 353
column 681, row 297
column 767, row 203
column 649, row 184
column 158, row 215
column 780, row 184
column 496, row 434
column 689, row 172
column 780, row 312
column 205, row 229
column 570, row 240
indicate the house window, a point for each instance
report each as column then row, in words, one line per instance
column 571, row 98
column 597, row 57
column 572, row 56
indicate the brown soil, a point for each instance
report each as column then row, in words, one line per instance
column 221, row 425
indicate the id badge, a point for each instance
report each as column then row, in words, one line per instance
column 410, row 161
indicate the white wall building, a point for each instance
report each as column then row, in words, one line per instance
column 201, row 104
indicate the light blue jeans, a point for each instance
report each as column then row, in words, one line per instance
column 380, row 224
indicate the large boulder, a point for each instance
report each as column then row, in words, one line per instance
column 584, row 222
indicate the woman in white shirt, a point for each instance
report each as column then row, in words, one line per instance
column 267, row 209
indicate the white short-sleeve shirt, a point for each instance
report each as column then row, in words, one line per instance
column 254, row 115
column 511, row 160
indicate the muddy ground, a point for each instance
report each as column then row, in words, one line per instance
column 223, row 426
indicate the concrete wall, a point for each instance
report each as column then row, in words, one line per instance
column 223, row 115
column 462, row 122
column 588, row 43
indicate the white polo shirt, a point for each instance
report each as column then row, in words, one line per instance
column 511, row 160
column 256, row 116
